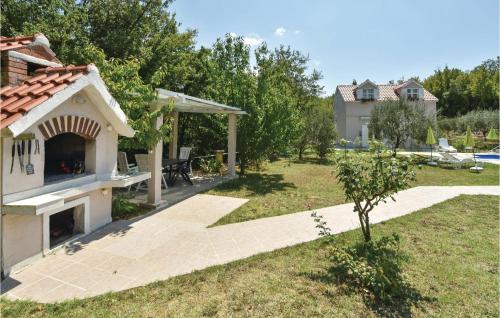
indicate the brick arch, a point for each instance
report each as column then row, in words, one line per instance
column 79, row 125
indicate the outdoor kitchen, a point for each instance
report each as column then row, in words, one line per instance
column 60, row 129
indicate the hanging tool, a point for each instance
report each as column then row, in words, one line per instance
column 30, row 169
column 13, row 156
column 23, row 147
column 18, row 144
column 37, row 147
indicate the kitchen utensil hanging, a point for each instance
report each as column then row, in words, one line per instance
column 13, row 156
column 18, row 146
column 30, row 169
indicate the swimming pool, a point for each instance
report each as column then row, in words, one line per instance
column 488, row 156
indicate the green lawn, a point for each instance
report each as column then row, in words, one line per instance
column 453, row 266
column 282, row 187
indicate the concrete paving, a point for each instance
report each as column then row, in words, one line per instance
column 176, row 241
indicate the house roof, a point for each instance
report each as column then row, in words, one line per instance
column 386, row 92
column 18, row 100
column 23, row 105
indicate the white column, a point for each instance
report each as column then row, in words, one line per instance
column 154, row 184
column 172, row 149
column 231, row 144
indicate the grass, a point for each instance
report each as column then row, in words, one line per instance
column 453, row 248
column 284, row 187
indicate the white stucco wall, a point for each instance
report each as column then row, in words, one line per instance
column 354, row 111
column 22, row 238
column 105, row 148
column 23, row 234
column 339, row 115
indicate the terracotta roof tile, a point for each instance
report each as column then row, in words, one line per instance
column 385, row 92
column 18, row 100
column 15, row 42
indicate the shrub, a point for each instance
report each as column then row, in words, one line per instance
column 122, row 208
column 374, row 267
column 479, row 120
column 371, row 179
column 211, row 166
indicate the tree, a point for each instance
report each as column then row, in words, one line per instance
column 323, row 129
column 369, row 180
column 462, row 91
column 317, row 127
column 234, row 84
column 135, row 44
column 134, row 96
column 398, row 121
column 479, row 120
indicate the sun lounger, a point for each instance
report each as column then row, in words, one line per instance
column 445, row 147
column 454, row 160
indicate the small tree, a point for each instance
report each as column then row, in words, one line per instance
column 369, row 180
column 398, row 121
column 323, row 130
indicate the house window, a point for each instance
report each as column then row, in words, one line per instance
column 412, row 93
column 368, row 93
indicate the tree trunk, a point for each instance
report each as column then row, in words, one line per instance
column 396, row 146
column 242, row 165
column 301, row 152
column 368, row 235
column 364, row 220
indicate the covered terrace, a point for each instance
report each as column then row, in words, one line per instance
column 186, row 104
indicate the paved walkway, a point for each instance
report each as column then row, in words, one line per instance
column 176, row 241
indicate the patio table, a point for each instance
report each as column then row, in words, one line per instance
column 174, row 167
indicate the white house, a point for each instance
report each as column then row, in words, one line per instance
column 59, row 132
column 354, row 103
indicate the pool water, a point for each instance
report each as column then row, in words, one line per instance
column 488, row 156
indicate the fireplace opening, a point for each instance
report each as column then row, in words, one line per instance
column 62, row 227
column 64, row 157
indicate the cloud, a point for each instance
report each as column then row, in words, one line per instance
column 253, row 40
column 232, row 34
column 297, row 32
column 280, row 31
column 316, row 62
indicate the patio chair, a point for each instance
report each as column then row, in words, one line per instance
column 445, row 147
column 454, row 161
column 124, row 167
column 185, row 153
column 143, row 164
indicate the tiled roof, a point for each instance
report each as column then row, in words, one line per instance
column 385, row 92
column 18, row 100
column 15, row 42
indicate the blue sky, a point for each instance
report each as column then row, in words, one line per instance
column 379, row 39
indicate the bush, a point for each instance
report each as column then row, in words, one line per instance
column 479, row 121
column 122, row 208
column 211, row 166
column 447, row 124
column 374, row 267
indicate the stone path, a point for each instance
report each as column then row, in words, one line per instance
column 176, row 241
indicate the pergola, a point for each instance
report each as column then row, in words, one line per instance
column 187, row 104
